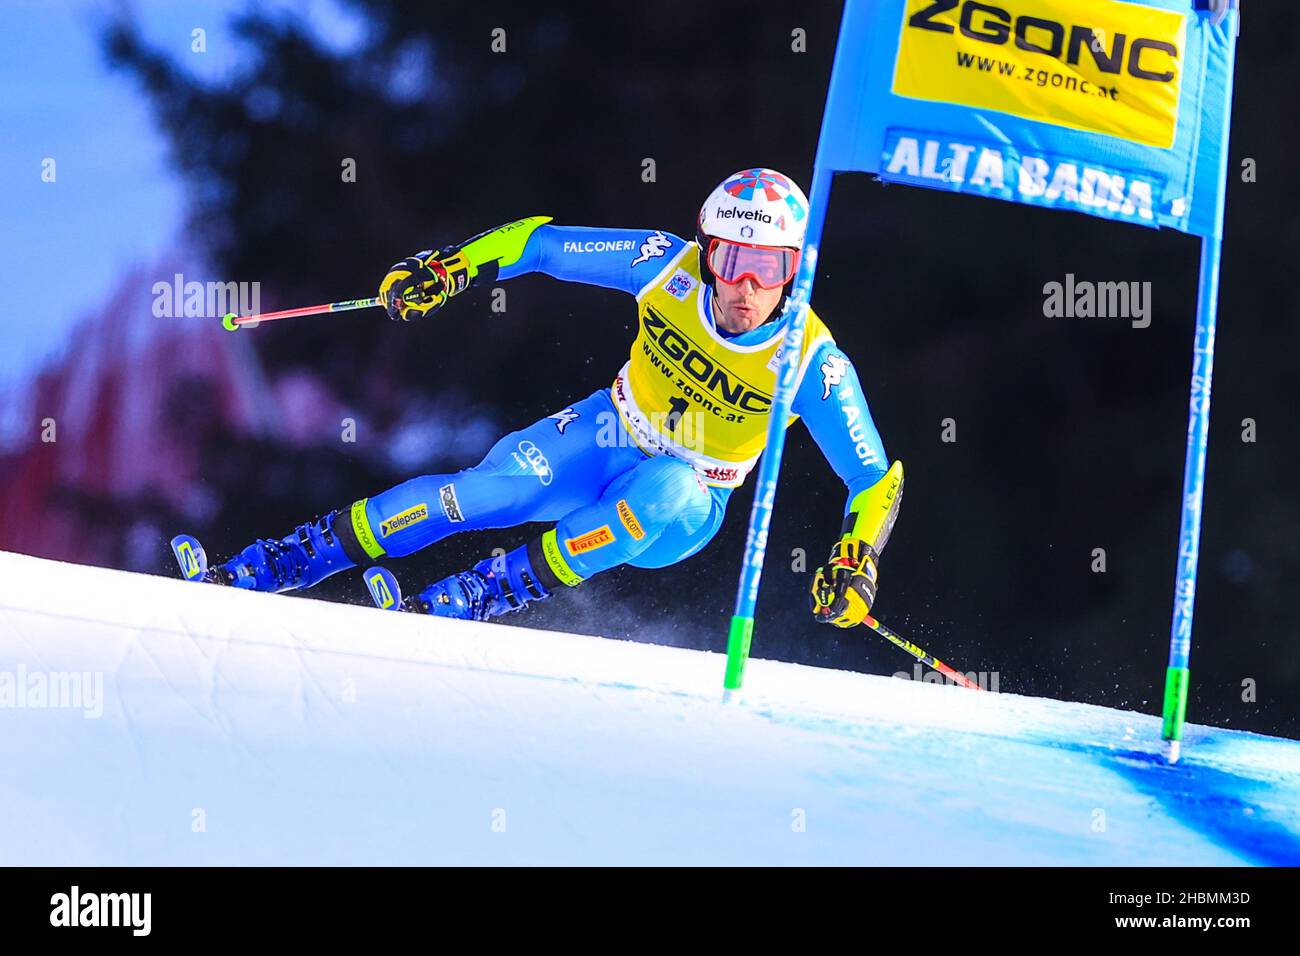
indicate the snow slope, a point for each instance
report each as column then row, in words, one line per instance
column 249, row 728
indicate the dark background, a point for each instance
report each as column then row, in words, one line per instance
column 1070, row 432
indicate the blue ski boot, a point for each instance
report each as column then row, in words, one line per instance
column 492, row 587
column 307, row 556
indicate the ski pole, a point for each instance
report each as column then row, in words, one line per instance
column 921, row 655
column 233, row 322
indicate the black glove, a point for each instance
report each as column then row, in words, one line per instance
column 844, row 588
column 416, row 287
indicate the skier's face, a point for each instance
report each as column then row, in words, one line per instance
column 744, row 306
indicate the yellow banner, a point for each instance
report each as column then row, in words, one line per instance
column 1104, row 66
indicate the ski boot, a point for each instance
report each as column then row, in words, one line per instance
column 306, row 557
column 492, row 587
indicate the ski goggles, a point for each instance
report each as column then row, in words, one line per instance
column 769, row 266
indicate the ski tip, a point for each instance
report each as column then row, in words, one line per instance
column 190, row 556
column 384, row 589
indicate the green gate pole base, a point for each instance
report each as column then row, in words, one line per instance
column 738, row 640
column 1177, row 680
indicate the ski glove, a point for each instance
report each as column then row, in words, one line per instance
column 421, row 284
column 844, row 588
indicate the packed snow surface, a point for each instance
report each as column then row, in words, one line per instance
column 201, row 725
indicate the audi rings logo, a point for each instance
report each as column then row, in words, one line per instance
column 537, row 462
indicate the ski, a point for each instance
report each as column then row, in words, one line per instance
column 191, row 557
column 384, row 589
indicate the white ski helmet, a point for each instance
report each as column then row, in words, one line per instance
column 753, row 225
column 759, row 207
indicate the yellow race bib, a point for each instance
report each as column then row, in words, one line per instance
column 688, row 392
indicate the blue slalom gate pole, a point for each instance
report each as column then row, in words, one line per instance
column 1177, row 673
column 1189, row 538
column 760, row 517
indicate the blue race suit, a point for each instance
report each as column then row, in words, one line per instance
column 617, row 495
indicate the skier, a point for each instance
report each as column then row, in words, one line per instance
column 638, row 473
